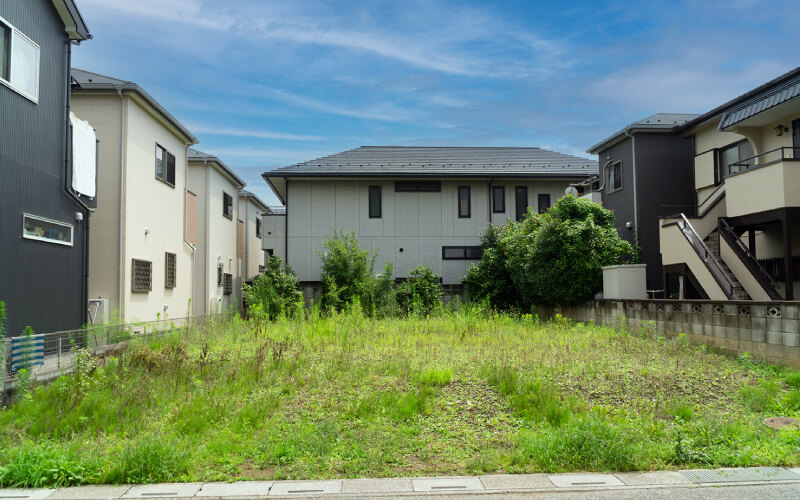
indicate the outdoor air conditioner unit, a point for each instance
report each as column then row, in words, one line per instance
column 98, row 311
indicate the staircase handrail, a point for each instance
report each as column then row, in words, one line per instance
column 748, row 259
column 702, row 250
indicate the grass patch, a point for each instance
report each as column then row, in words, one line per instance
column 468, row 391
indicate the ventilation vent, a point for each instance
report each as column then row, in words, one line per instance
column 142, row 276
column 170, row 273
column 228, row 284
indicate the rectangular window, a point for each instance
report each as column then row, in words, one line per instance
column 544, row 203
column 142, row 276
column 227, row 205
column 258, row 226
column 418, row 186
column 165, row 166
column 228, row 284
column 270, row 252
column 375, row 202
column 41, row 229
column 220, row 278
column 462, row 253
column 170, row 273
column 5, row 49
column 614, row 177
column 730, row 155
column 521, row 201
column 498, row 199
column 464, row 208
column 19, row 61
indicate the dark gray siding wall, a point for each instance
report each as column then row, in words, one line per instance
column 41, row 283
column 621, row 201
column 664, row 173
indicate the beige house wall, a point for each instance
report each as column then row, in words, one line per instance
column 154, row 219
column 105, row 114
column 412, row 230
column 254, row 254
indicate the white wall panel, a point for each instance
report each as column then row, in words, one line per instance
column 406, row 214
column 347, row 206
column 408, row 259
column 323, row 208
column 299, row 206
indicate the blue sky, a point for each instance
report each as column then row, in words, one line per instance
column 265, row 84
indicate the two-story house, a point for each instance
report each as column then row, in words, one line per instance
column 643, row 176
column 141, row 261
column 214, row 206
column 741, row 240
column 43, row 217
column 411, row 205
column 251, row 211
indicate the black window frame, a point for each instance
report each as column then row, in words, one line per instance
column 418, row 186
column 167, row 166
column 463, row 252
column 539, row 199
column 609, row 173
column 5, row 52
column 220, row 272
column 258, row 226
column 720, row 173
column 464, row 194
column 517, row 214
column 377, row 192
column 502, row 191
column 227, row 205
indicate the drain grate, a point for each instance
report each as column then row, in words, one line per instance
column 740, row 475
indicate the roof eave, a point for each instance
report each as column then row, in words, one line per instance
column 272, row 186
column 409, row 175
column 74, row 24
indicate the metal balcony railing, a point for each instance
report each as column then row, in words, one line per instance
column 764, row 159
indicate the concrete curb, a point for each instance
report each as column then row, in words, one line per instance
column 490, row 485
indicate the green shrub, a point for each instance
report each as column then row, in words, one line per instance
column 533, row 398
column 421, row 293
column 274, row 293
column 792, row 378
column 348, row 276
column 554, row 258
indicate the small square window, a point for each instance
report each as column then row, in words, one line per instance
column 142, row 276
column 170, row 273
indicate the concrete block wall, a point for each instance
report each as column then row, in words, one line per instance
column 769, row 331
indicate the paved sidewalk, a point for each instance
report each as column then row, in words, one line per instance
column 472, row 486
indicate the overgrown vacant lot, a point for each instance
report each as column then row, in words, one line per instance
column 346, row 396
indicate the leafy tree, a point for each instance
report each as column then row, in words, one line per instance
column 274, row 292
column 421, row 293
column 551, row 258
column 348, row 275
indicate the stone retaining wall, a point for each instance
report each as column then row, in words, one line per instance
column 768, row 331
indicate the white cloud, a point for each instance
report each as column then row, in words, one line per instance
column 259, row 134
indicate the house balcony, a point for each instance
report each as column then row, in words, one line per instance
column 764, row 182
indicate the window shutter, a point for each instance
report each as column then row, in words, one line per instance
column 170, row 169
column 142, row 276
column 170, row 273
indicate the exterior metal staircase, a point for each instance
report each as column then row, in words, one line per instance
column 712, row 242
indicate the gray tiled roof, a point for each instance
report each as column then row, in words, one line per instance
column 195, row 155
column 413, row 161
column 658, row 122
column 243, row 193
column 88, row 82
column 761, row 102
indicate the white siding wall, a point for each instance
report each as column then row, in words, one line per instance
column 412, row 230
column 153, row 204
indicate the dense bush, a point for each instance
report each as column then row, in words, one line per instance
column 274, row 292
column 348, row 276
column 421, row 293
column 548, row 259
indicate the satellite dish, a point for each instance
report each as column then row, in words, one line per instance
column 571, row 190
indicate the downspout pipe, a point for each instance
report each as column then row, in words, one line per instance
column 207, row 216
column 286, row 227
column 67, row 149
column 121, row 257
column 633, row 165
